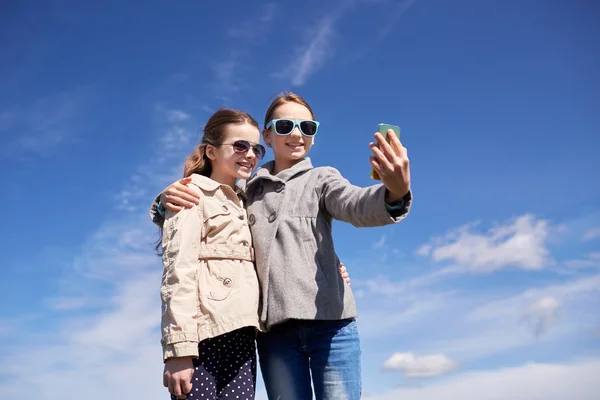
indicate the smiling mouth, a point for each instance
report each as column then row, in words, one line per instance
column 245, row 164
column 295, row 145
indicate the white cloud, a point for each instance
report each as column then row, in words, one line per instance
column 520, row 243
column 534, row 381
column 413, row 366
column 541, row 314
column 592, row 234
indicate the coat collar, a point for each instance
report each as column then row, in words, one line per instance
column 205, row 183
column 266, row 171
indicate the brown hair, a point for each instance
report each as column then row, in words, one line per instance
column 214, row 130
column 282, row 98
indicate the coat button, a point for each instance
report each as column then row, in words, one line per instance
column 279, row 187
column 272, row 217
column 241, row 216
column 251, row 219
column 259, row 190
column 227, row 282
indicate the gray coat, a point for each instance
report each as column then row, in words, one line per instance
column 290, row 217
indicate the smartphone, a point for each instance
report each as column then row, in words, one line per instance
column 383, row 129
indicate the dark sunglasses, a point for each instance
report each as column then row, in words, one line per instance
column 285, row 126
column 242, row 147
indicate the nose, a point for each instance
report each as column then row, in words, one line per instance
column 296, row 132
column 250, row 153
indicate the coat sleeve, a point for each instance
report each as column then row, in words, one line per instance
column 361, row 207
column 181, row 240
column 154, row 214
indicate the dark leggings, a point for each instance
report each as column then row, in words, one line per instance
column 226, row 368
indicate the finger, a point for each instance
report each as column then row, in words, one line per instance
column 395, row 143
column 385, row 146
column 173, row 207
column 171, row 386
column 185, row 191
column 376, row 166
column 176, row 388
column 186, row 384
column 165, row 380
column 383, row 161
column 176, row 199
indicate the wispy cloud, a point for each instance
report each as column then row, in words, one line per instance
column 39, row 127
column 592, row 261
column 519, row 243
column 311, row 56
column 105, row 331
column 229, row 70
column 380, row 243
column 532, row 381
column 319, row 46
column 592, row 234
column 179, row 134
column 255, row 28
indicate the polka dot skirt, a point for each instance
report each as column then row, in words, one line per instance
column 226, row 368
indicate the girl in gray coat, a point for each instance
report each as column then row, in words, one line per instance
column 309, row 339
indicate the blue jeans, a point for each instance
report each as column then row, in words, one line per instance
column 329, row 351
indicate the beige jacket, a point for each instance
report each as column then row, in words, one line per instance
column 209, row 284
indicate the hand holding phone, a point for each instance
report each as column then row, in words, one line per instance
column 383, row 129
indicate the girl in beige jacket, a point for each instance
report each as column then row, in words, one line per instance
column 209, row 291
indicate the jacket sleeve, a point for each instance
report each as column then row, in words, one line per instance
column 361, row 207
column 181, row 240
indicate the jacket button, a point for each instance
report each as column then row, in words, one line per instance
column 259, row 190
column 279, row 187
column 241, row 216
column 272, row 217
column 227, row 282
column 251, row 219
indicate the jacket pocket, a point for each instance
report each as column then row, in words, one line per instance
column 311, row 257
column 212, row 210
column 217, row 279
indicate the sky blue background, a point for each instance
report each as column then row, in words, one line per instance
column 497, row 103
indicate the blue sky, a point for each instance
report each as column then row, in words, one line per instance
column 490, row 289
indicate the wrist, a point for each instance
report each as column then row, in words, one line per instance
column 391, row 197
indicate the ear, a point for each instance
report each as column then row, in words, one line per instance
column 210, row 152
column 266, row 133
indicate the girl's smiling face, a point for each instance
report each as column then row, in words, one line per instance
column 229, row 160
column 290, row 149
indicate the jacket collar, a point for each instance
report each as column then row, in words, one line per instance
column 205, row 183
column 266, row 171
